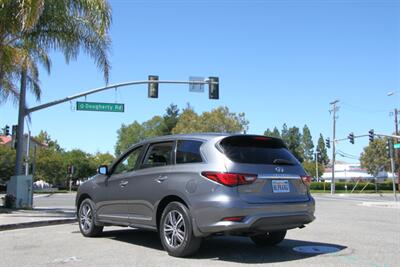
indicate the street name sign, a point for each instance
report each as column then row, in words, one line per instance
column 397, row 146
column 196, row 87
column 94, row 106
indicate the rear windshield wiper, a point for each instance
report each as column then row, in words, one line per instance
column 283, row 162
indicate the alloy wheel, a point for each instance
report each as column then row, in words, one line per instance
column 86, row 217
column 174, row 229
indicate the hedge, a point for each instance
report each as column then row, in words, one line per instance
column 350, row 185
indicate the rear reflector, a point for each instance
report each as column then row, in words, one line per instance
column 306, row 180
column 233, row 219
column 230, row 179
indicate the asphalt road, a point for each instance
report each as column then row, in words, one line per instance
column 365, row 231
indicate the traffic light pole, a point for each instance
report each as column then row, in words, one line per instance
column 113, row 86
column 23, row 111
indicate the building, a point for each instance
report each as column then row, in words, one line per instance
column 352, row 172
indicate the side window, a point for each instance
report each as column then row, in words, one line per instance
column 159, row 154
column 188, row 151
column 129, row 163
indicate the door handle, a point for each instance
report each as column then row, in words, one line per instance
column 161, row 178
column 123, row 183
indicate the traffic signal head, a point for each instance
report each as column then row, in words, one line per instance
column 351, row 138
column 371, row 135
column 213, row 88
column 153, row 87
column 7, row 130
column 328, row 143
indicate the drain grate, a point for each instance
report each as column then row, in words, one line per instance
column 316, row 249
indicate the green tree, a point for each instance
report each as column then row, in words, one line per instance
column 268, row 132
column 128, row 135
column 294, row 143
column 7, row 162
column 170, row 119
column 102, row 159
column 307, row 144
column 374, row 157
column 50, row 166
column 275, row 133
column 218, row 120
column 285, row 133
column 323, row 153
column 189, row 122
column 30, row 29
column 83, row 163
column 45, row 138
column 310, row 168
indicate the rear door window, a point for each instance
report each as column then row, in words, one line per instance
column 257, row 150
column 158, row 154
column 188, row 151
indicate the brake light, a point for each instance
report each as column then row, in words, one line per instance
column 230, row 179
column 306, row 180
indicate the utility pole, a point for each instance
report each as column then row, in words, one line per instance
column 316, row 164
column 396, row 127
column 333, row 110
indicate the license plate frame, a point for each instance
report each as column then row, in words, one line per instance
column 280, row 186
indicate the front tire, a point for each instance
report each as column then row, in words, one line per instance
column 269, row 238
column 86, row 215
column 176, row 231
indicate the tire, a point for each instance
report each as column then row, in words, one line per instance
column 86, row 215
column 269, row 238
column 176, row 231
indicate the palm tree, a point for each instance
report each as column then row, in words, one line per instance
column 30, row 29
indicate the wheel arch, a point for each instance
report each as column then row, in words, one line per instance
column 164, row 202
column 81, row 198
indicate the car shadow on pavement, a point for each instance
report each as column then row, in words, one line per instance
column 226, row 248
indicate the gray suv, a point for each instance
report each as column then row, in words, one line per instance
column 188, row 187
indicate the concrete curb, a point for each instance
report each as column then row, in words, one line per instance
column 13, row 226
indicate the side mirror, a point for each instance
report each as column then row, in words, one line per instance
column 103, row 169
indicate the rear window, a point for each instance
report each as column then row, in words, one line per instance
column 257, row 150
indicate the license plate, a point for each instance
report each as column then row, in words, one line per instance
column 280, row 186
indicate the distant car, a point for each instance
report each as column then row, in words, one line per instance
column 188, row 187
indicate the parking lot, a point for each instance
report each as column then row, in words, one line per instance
column 362, row 231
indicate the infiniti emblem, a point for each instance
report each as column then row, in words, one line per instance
column 279, row 169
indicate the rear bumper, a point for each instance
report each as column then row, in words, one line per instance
column 257, row 217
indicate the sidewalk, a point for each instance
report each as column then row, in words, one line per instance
column 15, row 219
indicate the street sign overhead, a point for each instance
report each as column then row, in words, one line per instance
column 196, row 87
column 94, row 106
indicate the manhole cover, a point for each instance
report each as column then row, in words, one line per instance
column 316, row 249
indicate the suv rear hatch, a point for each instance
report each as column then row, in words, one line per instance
column 279, row 173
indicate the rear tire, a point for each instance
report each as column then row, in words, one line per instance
column 176, row 231
column 269, row 238
column 86, row 219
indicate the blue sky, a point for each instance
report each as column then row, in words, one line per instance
column 278, row 61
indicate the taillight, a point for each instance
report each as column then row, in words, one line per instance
column 230, row 179
column 306, row 180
